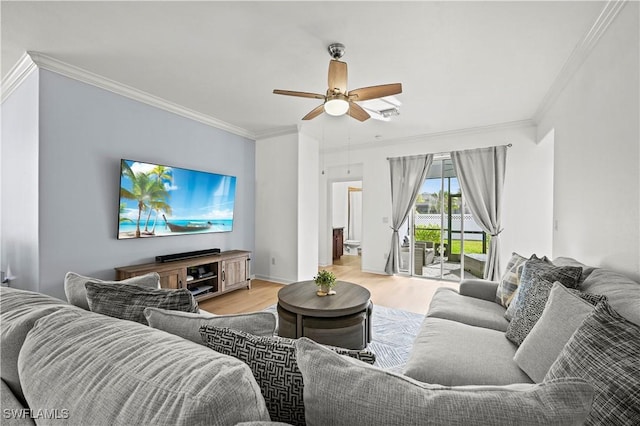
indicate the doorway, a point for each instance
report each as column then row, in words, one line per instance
column 441, row 239
column 346, row 221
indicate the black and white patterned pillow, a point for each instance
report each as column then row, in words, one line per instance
column 535, row 270
column 126, row 301
column 274, row 365
column 535, row 300
column 605, row 351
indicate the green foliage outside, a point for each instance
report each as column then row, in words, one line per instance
column 470, row 246
column 428, row 233
column 432, row 233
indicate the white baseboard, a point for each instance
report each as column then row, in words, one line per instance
column 273, row 279
column 375, row 271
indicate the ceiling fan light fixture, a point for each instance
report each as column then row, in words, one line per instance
column 336, row 105
column 338, row 101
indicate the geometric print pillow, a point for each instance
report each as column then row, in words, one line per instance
column 532, row 307
column 274, row 365
column 605, row 351
column 535, row 270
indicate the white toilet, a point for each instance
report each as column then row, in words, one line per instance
column 352, row 246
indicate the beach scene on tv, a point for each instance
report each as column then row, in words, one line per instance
column 158, row 201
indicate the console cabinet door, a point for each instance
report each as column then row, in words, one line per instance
column 172, row 279
column 234, row 273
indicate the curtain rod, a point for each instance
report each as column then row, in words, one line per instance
column 438, row 155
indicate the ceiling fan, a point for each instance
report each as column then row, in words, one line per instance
column 339, row 101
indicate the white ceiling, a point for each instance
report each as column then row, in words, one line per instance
column 462, row 64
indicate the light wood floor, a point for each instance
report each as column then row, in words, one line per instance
column 400, row 292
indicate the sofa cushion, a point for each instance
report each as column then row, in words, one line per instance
column 107, row 371
column 128, row 302
column 451, row 353
column 605, row 351
column 273, row 363
column 74, row 286
column 536, row 270
column 187, row 325
column 449, row 304
column 19, row 310
column 14, row 411
column 563, row 314
column 341, row 391
column 510, row 279
column 623, row 294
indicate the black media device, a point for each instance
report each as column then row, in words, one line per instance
column 186, row 255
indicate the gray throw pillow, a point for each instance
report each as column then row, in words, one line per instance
column 74, row 286
column 273, row 363
column 605, row 351
column 187, row 325
column 340, row 391
column 562, row 315
column 128, row 302
column 541, row 269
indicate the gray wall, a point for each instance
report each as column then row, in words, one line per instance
column 84, row 132
column 19, row 228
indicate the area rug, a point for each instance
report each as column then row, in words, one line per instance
column 393, row 332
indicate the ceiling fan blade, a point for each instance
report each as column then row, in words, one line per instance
column 374, row 92
column 314, row 112
column 337, row 76
column 299, row 94
column 357, row 112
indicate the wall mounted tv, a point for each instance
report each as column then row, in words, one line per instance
column 157, row 200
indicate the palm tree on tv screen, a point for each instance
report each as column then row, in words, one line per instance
column 145, row 189
column 157, row 207
column 163, row 176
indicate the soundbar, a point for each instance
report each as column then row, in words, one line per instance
column 186, row 255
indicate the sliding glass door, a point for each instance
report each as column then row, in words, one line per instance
column 441, row 240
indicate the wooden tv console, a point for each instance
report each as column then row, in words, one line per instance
column 206, row 276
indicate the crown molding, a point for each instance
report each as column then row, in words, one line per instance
column 579, row 55
column 17, row 75
column 520, row 124
column 279, row 131
column 35, row 59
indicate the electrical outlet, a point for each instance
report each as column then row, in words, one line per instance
column 273, row 260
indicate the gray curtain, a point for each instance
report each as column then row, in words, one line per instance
column 480, row 173
column 407, row 176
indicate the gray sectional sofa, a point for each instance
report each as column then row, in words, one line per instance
column 462, row 339
column 83, row 368
column 62, row 364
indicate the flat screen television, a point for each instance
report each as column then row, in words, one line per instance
column 158, row 200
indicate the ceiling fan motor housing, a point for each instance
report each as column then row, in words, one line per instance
column 336, row 50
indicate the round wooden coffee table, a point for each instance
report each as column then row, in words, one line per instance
column 343, row 319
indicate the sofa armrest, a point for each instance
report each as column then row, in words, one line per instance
column 478, row 288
